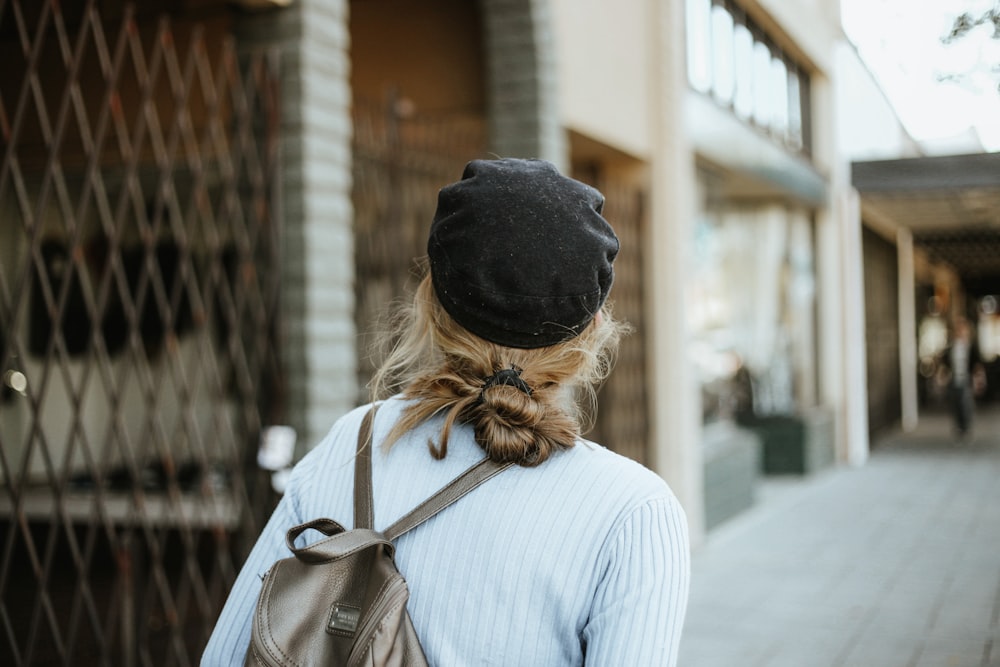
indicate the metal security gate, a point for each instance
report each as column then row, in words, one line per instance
column 139, row 242
column 400, row 163
column 623, row 414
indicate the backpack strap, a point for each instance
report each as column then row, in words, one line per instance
column 364, row 516
column 453, row 491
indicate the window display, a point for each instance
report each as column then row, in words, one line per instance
column 753, row 311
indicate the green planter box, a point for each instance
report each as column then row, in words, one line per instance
column 794, row 444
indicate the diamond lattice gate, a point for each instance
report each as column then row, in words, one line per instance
column 138, row 296
column 623, row 416
column 400, row 163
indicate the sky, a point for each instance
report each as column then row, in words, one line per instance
column 900, row 41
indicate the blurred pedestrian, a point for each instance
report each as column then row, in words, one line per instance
column 961, row 358
column 575, row 555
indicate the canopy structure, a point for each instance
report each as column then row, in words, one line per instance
column 951, row 205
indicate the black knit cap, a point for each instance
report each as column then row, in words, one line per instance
column 520, row 254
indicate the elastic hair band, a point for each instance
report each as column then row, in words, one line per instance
column 508, row 376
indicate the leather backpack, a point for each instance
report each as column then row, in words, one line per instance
column 341, row 600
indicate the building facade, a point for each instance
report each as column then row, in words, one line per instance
column 206, row 204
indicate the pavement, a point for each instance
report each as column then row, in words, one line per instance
column 895, row 563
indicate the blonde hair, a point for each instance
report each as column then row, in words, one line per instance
column 443, row 367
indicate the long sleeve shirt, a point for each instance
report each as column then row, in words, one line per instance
column 582, row 560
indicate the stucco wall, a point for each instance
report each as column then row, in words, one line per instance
column 603, row 59
column 808, row 29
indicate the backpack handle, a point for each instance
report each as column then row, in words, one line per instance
column 337, row 544
column 328, row 527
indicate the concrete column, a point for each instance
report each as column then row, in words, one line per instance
column 853, row 350
column 318, row 254
column 830, row 347
column 675, row 429
column 522, row 101
column 907, row 330
column 841, row 298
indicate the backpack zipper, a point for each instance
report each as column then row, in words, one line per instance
column 395, row 595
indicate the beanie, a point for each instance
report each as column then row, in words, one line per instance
column 520, row 254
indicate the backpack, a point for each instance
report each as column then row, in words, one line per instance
column 341, row 600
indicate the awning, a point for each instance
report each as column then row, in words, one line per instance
column 951, row 204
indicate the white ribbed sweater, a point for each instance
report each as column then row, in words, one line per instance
column 581, row 560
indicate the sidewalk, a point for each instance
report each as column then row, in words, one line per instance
column 893, row 564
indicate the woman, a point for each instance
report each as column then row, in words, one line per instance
column 574, row 556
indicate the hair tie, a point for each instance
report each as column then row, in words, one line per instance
column 508, row 376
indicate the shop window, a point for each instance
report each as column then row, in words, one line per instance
column 795, row 103
column 723, row 77
column 762, row 84
column 779, row 84
column 56, row 281
column 64, row 292
column 753, row 311
column 699, row 44
column 743, row 46
column 741, row 66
